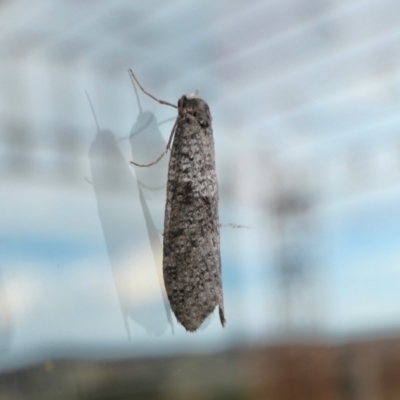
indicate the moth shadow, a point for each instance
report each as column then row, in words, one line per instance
column 116, row 189
column 147, row 144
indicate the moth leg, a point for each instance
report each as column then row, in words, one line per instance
column 150, row 95
column 163, row 154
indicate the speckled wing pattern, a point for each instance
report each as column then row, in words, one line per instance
column 192, row 260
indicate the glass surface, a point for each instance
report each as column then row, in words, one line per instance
column 305, row 99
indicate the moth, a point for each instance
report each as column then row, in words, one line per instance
column 191, row 240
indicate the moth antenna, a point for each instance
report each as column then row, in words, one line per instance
column 136, row 93
column 150, row 95
column 153, row 163
column 163, row 154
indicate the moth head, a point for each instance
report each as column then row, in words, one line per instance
column 191, row 105
column 182, row 102
column 193, row 95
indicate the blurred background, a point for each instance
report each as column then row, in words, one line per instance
column 305, row 98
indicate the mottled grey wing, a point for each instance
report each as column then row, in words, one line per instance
column 192, row 261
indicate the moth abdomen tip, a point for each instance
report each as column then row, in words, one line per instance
column 222, row 316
